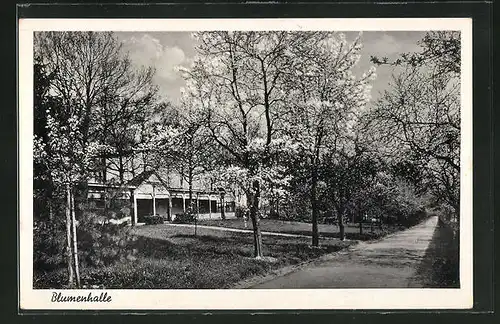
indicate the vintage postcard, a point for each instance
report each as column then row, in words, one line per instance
column 245, row 164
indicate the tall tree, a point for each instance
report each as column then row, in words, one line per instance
column 236, row 80
column 67, row 157
column 325, row 98
column 89, row 89
column 196, row 150
column 420, row 115
column 346, row 172
column 114, row 99
column 44, row 190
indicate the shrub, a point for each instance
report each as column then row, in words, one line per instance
column 49, row 244
column 415, row 217
column 54, row 279
column 153, row 219
column 185, row 218
column 240, row 212
column 104, row 244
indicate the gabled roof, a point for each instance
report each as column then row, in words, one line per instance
column 144, row 176
column 140, row 178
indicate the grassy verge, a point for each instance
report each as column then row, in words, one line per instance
column 448, row 263
column 173, row 258
column 440, row 265
column 352, row 231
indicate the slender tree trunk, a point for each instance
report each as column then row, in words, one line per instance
column 132, row 208
column 121, row 170
column 68, row 236
column 75, row 241
column 222, row 206
column 190, row 184
column 254, row 215
column 104, row 170
column 315, row 208
column 341, row 226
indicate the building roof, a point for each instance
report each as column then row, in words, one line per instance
column 141, row 177
column 145, row 175
column 108, row 185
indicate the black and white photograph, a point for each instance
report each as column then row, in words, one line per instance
column 248, row 159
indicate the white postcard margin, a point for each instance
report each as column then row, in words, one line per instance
column 245, row 299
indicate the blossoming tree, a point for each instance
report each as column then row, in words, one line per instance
column 325, row 100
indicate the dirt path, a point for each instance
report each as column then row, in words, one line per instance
column 393, row 262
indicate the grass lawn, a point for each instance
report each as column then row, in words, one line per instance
column 168, row 257
column 325, row 230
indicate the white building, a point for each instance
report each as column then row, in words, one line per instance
column 151, row 194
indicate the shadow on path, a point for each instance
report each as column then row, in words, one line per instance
column 439, row 267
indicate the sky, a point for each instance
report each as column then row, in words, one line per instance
column 166, row 50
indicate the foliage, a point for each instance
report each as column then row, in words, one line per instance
column 418, row 118
column 236, row 82
column 391, row 200
column 187, row 217
column 240, row 212
column 153, row 219
column 439, row 48
column 102, row 245
column 346, row 174
column 98, row 244
column 112, row 100
column 92, row 110
column 48, row 245
column 325, row 100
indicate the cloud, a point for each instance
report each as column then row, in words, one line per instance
column 148, row 51
column 390, row 44
column 172, row 57
column 143, row 50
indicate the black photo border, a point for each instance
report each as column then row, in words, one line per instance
column 483, row 148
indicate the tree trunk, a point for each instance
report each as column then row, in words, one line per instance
column 190, row 184
column 68, row 236
column 121, row 170
column 104, row 170
column 222, row 207
column 75, row 241
column 341, row 227
column 315, row 208
column 253, row 200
